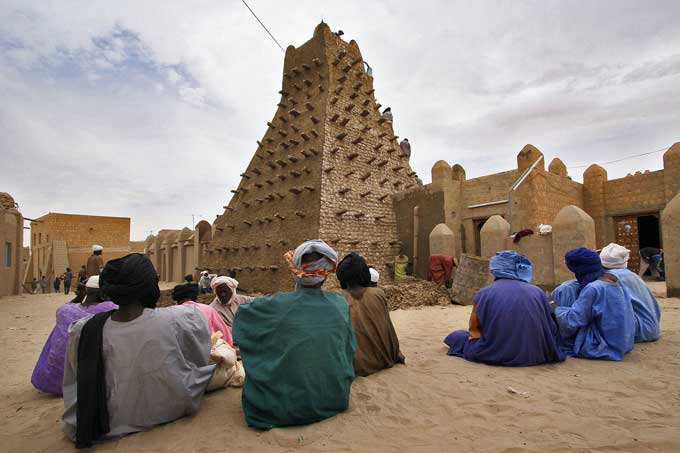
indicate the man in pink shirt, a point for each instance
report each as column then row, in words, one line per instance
column 187, row 295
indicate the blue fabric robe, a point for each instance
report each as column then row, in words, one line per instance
column 566, row 294
column 645, row 307
column 298, row 354
column 600, row 324
column 517, row 327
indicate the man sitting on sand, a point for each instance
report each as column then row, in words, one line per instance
column 614, row 259
column 133, row 368
column 187, row 294
column 511, row 322
column 297, row 347
column 377, row 342
column 226, row 300
column 599, row 323
column 48, row 374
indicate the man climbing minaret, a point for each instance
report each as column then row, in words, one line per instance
column 405, row 148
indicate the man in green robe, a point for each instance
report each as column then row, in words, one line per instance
column 297, row 347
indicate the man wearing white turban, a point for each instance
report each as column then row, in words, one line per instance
column 614, row 258
column 375, row 276
column 297, row 347
column 95, row 263
column 226, row 300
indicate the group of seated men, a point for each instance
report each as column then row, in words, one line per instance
column 124, row 365
column 598, row 315
column 127, row 366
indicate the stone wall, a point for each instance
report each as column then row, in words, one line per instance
column 638, row 193
column 671, row 238
column 572, row 228
column 60, row 240
column 430, row 213
column 177, row 253
column 81, row 230
column 11, row 246
column 540, row 198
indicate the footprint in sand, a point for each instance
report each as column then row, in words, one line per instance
column 362, row 396
column 373, row 408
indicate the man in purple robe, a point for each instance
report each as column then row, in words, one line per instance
column 48, row 373
column 511, row 322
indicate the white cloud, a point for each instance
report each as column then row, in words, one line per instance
column 151, row 109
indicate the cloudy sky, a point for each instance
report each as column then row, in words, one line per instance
column 151, row 109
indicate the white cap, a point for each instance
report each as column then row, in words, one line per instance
column 375, row 275
column 92, row 282
column 97, row 248
column 614, row 256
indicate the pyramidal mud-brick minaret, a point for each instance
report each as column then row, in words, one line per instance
column 326, row 168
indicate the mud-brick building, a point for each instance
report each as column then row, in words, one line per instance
column 625, row 210
column 176, row 253
column 11, row 241
column 326, row 167
column 59, row 241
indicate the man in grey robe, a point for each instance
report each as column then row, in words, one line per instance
column 156, row 362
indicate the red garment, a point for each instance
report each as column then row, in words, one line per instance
column 520, row 234
column 439, row 268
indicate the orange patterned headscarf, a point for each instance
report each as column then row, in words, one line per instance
column 312, row 273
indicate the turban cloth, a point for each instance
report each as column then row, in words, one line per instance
column 614, row 256
column 97, row 248
column 188, row 291
column 585, row 264
column 92, row 291
column 353, row 272
column 375, row 275
column 512, row 265
column 232, row 283
column 92, row 282
column 314, row 272
column 130, row 279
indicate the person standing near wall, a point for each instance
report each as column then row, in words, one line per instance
column 95, row 263
column 82, row 275
column 43, row 284
column 68, row 278
column 57, row 284
column 34, row 285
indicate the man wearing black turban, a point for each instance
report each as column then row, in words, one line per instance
column 184, row 293
column 142, row 367
column 377, row 342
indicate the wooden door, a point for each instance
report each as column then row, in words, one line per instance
column 627, row 235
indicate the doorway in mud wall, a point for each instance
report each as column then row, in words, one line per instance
column 478, row 224
column 638, row 231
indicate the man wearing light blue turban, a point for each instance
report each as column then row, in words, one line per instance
column 511, row 322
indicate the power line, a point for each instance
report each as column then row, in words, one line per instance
column 263, row 26
column 623, row 158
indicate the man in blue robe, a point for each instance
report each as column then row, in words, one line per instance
column 599, row 324
column 297, row 347
column 614, row 259
column 511, row 322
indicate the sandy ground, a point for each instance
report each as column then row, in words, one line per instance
column 434, row 403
